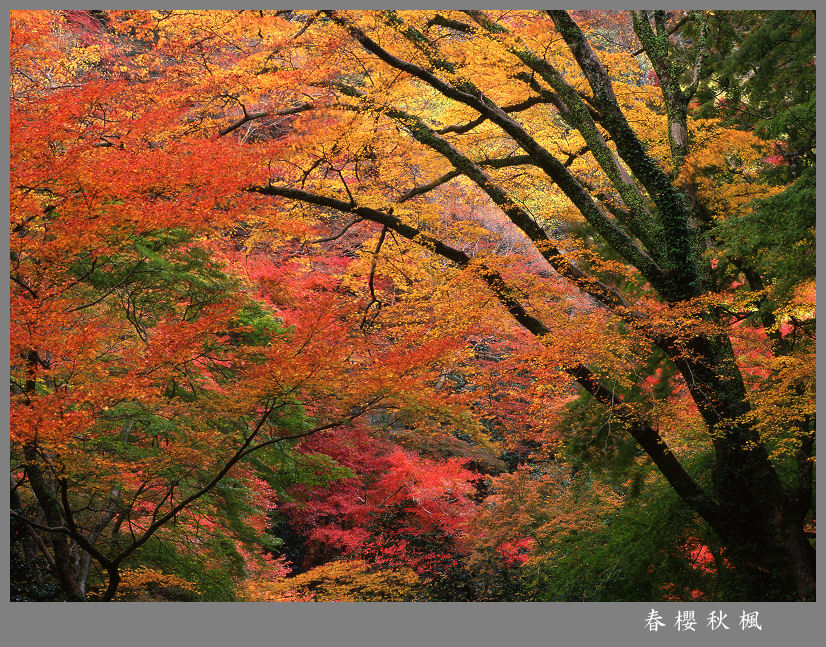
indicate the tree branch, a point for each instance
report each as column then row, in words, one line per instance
column 31, row 526
column 468, row 94
column 456, row 25
column 263, row 113
column 425, row 188
column 671, row 30
column 364, row 322
column 574, row 111
column 502, row 162
column 245, row 449
column 338, row 235
column 515, row 107
column 680, row 258
column 648, row 438
column 698, row 64
column 523, row 220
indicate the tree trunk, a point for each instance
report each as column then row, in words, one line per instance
column 47, row 499
column 759, row 524
column 772, row 559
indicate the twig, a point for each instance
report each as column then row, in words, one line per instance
column 338, row 235
column 364, row 321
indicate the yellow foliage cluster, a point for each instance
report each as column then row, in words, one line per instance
column 802, row 303
column 339, row 581
column 146, row 584
column 724, row 164
column 783, row 409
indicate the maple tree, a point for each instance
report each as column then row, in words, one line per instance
column 328, row 264
column 144, row 373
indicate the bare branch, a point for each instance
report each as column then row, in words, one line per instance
column 503, row 162
column 336, row 236
column 306, row 25
column 251, row 116
column 515, row 107
column 370, row 282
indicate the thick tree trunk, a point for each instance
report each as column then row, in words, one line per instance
column 772, row 559
column 758, row 522
column 44, row 492
column 47, row 499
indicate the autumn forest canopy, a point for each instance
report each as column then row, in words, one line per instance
column 412, row 305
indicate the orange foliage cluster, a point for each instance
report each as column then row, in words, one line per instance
column 169, row 317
